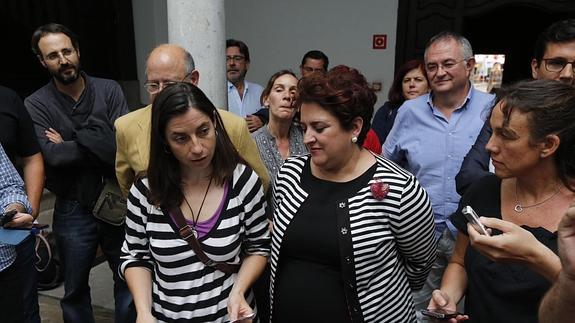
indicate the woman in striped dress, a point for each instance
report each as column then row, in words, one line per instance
column 194, row 168
column 352, row 231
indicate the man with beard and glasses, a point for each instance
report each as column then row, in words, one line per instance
column 243, row 96
column 74, row 118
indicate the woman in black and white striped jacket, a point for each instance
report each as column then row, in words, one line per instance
column 193, row 168
column 353, row 232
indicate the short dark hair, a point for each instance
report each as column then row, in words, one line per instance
column 558, row 32
column 550, row 109
column 267, row 90
column 316, row 54
column 164, row 173
column 395, row 94
column 52, row 28
column 342, row 91
column 241, row 45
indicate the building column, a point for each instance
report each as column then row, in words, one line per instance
column 199, row 27
column 150, row 30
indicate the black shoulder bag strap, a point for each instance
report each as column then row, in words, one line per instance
column 188, row 233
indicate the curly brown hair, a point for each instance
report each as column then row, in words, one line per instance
column 342, row 91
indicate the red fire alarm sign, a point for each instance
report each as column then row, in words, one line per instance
column 380, row 41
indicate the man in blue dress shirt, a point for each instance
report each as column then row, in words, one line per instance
column 243, row 96
column 12, row 197
column 433, row 133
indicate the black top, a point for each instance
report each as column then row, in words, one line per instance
column 309, row 286
column 384, row 119
column 16, row 128
column 499, row 292
column 476, row 163
column 73, row 170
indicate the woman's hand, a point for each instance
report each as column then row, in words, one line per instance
column 440, row 300
column 515, row 244
column 146, row 318
column 238, row 307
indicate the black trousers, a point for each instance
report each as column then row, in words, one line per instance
column 262, row 293
column 11, row 303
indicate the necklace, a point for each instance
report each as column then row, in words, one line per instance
column 519, row 208
column 194, row 217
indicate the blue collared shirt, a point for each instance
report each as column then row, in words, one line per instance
column 250, row 103
column 11, row 191
column 432, row 147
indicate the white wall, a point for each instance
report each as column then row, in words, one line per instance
column 279, row 33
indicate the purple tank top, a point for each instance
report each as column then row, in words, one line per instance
column 202, row 228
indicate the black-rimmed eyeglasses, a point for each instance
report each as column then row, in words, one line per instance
column 235, row 58
column 556, row 65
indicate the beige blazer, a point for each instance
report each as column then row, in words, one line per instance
column 133, row 145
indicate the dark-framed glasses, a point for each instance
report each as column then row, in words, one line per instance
column 556, row 65
column 235, row 58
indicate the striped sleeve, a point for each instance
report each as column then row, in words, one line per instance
column 413, row 229
column 257, row 240
column 136, row 249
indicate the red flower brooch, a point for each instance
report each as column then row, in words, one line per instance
column 379, row 189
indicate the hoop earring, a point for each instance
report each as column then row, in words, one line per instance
column 166, row 150
column 354, row 139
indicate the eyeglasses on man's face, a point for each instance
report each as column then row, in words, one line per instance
column 64, row 53
column 235, row 58
column 154, row 87
column 445, row 65
column 557, row 65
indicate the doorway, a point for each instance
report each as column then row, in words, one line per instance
column 487, row 25
column 492, row 32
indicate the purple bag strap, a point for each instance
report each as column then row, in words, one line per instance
column 188, row 233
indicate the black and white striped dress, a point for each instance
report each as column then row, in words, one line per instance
column 183, row 288
column 386, row 246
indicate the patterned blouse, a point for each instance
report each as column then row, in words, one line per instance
column 269, row 151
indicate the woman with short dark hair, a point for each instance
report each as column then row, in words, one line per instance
column 353, row 232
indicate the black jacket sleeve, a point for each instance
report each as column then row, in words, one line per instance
column 476, row 164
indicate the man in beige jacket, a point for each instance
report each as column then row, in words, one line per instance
column 169, row 64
